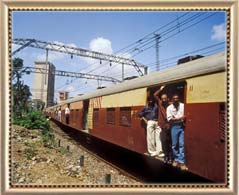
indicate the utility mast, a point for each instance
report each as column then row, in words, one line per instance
column 157, row 37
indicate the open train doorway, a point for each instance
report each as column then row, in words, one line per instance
column 171, row 89
column 85, row 114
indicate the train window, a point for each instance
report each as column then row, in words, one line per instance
column 125, row 116
column 110, row 116
column 222, row 122
column 96, row 115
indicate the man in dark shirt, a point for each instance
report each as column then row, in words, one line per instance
column 150, row 115
column 163, row 103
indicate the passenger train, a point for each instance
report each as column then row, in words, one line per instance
column 111, row 113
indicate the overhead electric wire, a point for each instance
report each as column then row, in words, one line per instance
column 171, row 29
column 160, row 28
column 175, row 27
column 140, row 40
column 172, row 35
column 169, row 64
column 182, row 31
column 153, row 64
column 194, row 51
column 145, row 36
column 175, row 34
column 152, row 39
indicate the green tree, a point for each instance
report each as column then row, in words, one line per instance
column 17, row 72
column 20, row 92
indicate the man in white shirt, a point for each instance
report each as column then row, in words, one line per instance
column 59, row 114
column 175, row 115
column 67, row 114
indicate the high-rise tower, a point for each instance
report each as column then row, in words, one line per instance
column 43, row 85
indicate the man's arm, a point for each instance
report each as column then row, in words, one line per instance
column 170, row 117
column 169, row 114
column 156, row 93
column 141, row 113
column 177, row 119
column 144, row 119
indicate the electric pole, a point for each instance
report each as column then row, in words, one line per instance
column 157, row 37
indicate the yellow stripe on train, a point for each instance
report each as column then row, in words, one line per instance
column 135, row 97
column 209, row 88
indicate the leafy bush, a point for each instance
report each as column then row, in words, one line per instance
column 36, row 120
column 33, row 120
column 48, row 138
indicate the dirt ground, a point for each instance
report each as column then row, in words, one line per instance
column 33, row 163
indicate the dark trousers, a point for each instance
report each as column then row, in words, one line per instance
column 67, row 119
column 167, row 143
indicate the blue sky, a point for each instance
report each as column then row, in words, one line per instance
column 110, row 31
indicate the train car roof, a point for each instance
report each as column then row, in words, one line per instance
column 205, row 65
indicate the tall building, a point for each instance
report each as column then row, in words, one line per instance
column 44, row 84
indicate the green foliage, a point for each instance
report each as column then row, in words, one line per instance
column 17, row 64
column 48, row 139
column 20, row 92
column 33, row 120
column 36, row 120
column 63, row 150
column 30, row 151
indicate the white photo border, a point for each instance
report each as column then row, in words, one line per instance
column 230, row 6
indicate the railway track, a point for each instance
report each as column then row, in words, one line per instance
column 71, row 137
column 139, row 167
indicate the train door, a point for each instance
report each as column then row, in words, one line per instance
column 85, row 114
column 178, row 88
column 170, row 89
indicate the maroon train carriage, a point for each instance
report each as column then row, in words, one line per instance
column 111, row 113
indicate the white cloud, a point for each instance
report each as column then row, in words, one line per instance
column 219, row 32
column 104, row 45
column 101, row 44
column 114, row 70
